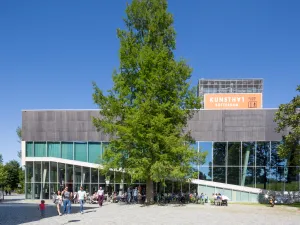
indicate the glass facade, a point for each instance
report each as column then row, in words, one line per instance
column 44, row 178
column 251, row 164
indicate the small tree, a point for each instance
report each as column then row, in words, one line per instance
column 288, row 119
column 147, row 110
column 12, row 168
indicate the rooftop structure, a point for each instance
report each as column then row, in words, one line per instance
column 206, row 86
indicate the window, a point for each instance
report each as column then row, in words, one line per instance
column 234, row 154
column 67, row 150
column 54, row 149
column 29, row 149
column 94, row 152
column 81, row 152
column 219, row 153
column 40, row 149
column 206, row 147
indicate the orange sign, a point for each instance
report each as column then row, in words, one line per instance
column 233, row 101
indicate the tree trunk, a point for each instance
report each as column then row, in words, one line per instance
column 149, row 191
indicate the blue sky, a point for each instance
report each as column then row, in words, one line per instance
column 51, row 51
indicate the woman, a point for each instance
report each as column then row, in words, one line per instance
column 58, row 202
column 100, row 194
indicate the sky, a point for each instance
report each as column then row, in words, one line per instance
column 51, row 51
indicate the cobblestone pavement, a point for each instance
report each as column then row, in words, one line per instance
column 120, row 214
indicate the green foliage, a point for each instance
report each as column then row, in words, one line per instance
column 1, row 159
column 12, row 168
column 288, row 118
column 150, row 103
column 19, row 134
column 3, row 175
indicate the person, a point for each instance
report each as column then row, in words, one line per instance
column 81, row 197
column 58, row 202
column 128, row 195
column 135, row 194
column 67, row 196
column 42, row 208
column 100, row 194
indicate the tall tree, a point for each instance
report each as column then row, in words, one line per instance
column 147, row 109
column 288, row 119
column 1, row 159
column 12, row 168
column 19, row 134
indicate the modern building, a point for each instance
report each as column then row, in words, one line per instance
column 62, row 147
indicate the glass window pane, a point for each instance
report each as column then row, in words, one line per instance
column 234, row 154
column 29, row 149
column 248, row 176
column 54, row 149
column 69, row 175
column 233, row 175
column 29, row 172
column 81, row 152
column 261, row 177
column 248, row 157
column 94, row 152
column 195, row 148
column 263, row 153
column 94, row 189
column 219, row 174
column 206, row 147
column 77, row 170
column 67, row 150
column 37, row 191
column 54, row 187
column 275, row 159
column 45, row 174
column 45, row 191
column 61, row 175
column 37, row 172
column 276, row 178
column 219, row 153
column 94, row 175
column 205, row 173
column 40, row 149
column 53, row 172
column 28, row 191
column 86, row 175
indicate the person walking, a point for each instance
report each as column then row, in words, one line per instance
column 42, row 208
column 67, row 196
column 81, row 197
column 100, row 194
column 58, row 202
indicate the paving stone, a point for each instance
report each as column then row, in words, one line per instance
column 26, row 212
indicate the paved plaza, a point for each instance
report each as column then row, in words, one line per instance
column 26, row 212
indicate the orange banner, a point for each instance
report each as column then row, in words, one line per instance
column 233, row 101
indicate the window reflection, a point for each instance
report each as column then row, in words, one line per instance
column 275, row 159
column 219, row 153
column 234, row 154
column 219, row 174
column 205, row 173
column 262, row 154
column 248, row 176
column 234, row 175
column 37, row 171
column 206, row 147
column 261, row 177
column 248, row 153
column 94, row 175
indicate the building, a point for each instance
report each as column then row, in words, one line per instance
column 62, row 147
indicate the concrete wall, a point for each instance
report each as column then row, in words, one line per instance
column 206, row 125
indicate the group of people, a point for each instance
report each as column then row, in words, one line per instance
column 133, row 195
column 64, row 198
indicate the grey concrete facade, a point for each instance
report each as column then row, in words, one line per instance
column 206, row 125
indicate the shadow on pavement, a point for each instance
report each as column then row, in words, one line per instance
column 25, row 213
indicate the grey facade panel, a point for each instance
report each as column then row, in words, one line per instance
column 205, row 125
